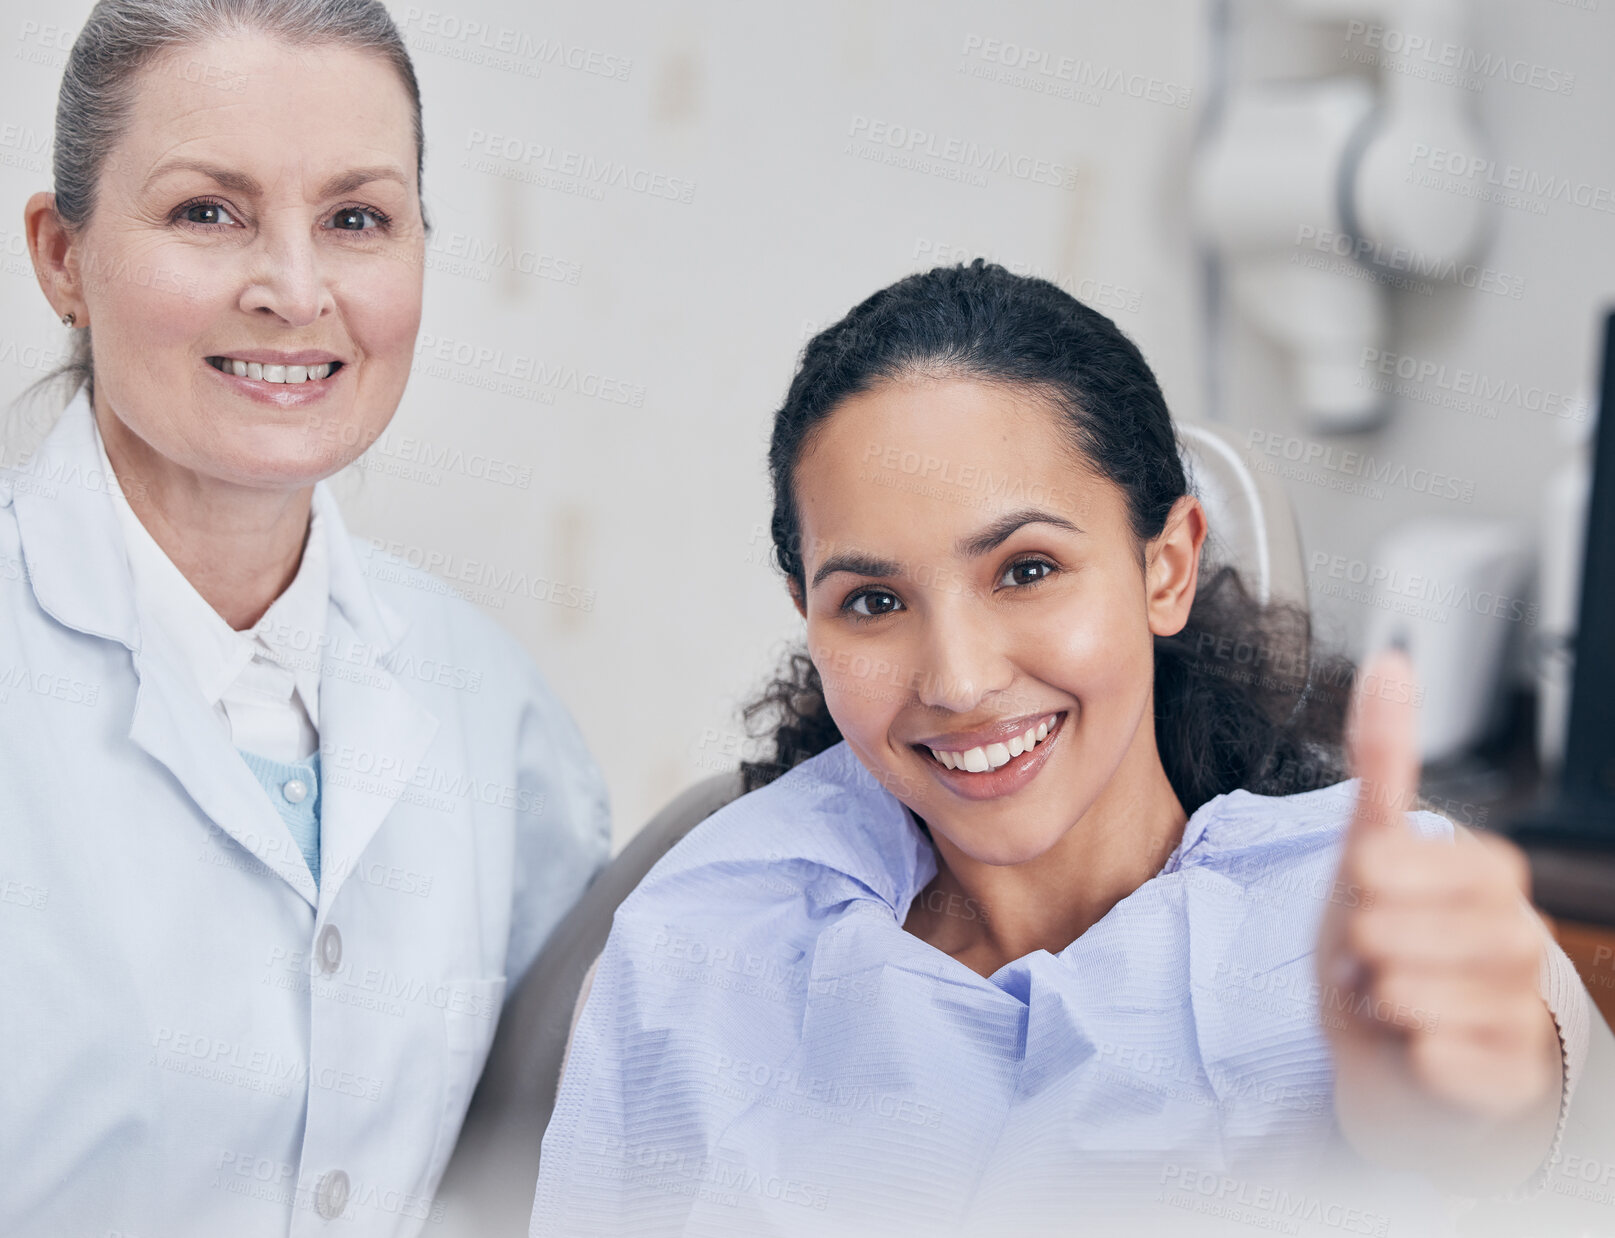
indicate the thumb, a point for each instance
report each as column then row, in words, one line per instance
column 1382, row 740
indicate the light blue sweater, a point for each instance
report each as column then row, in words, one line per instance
column 294, row 790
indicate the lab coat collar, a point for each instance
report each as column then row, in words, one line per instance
column 76, row 556
column 374, row 737
column 289, row 632
column 71, row 541
column 78, row 565
column 372, row 620
column 79, row 569
column 373, row 733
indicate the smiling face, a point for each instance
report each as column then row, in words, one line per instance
column 270, row 230
column 971, row 579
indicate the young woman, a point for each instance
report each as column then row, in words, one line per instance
column 1045, row 907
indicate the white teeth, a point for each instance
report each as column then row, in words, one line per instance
column 993, row 756
column 272, row 373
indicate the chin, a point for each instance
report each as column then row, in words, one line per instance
column 287, row 469
column 1002, row 850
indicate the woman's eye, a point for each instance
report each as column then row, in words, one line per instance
column 1026, row 572
column 207, row 213
column 871, row 603
column 357, row 219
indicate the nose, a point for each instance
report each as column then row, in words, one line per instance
column 961, row 659
column 285, row 279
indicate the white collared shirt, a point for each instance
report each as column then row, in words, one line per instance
column 263, row 684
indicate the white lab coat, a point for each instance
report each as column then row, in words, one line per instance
column 192, row 1040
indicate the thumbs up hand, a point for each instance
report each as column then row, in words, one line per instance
column 1446, row 1057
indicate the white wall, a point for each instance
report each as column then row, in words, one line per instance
column 656, row 511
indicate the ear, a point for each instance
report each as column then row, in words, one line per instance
column 796, row 596
column 1172, row 567
column 51, row 246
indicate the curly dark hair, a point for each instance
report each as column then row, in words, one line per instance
column 1242, row 696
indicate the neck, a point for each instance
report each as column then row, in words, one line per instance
column 1122, row 841
column 239, row 546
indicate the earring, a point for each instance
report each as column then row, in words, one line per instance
column 69, row 318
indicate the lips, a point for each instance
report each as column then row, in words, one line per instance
column 280, row 379
column 998, row 732
column 990, row 771
column 279, row 356
column 979, row 758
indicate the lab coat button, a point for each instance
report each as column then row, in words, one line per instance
column 329, row 948
column 295, row 790
column 332, row 1195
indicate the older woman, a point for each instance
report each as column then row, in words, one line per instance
column 281, row 821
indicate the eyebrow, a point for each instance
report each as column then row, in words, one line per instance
column 241, row 182
column 972, row 546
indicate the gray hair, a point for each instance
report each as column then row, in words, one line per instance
column 121, row 37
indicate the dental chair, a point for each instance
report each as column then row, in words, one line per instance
column 488, row 1187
